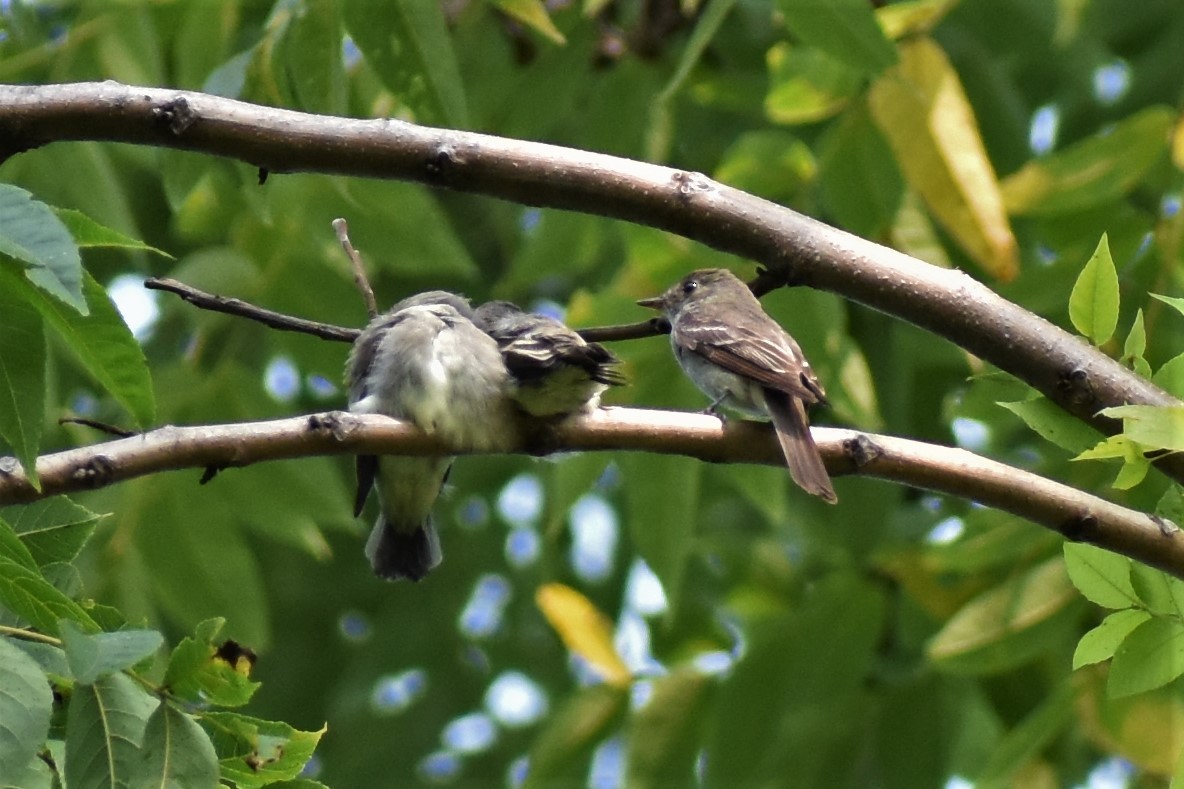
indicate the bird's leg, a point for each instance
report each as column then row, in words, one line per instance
column 713, row 409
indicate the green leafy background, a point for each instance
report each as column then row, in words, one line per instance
column 897, row 640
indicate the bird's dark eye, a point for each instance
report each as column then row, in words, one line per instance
column 690, row 285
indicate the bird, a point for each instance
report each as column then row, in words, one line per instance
column 425, row 362
column 555, row 372
column 741, row 358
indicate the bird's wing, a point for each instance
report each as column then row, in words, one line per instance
column 531, row 353
column 770, row 357
column 361, row 356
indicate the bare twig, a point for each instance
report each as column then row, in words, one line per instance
column 327, row 331
column 242, row 309
column 111, row 430
column 1070, row 512
column 341, row 227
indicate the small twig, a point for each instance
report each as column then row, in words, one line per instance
column 327, row 331
column 626, row 331
column 97, row 425
column 29, row 635
column 360, row 279
column 242, row 309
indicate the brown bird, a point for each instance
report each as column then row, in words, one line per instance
column 741, row 358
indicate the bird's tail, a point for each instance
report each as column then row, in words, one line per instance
column 403, row 552
column 801, row 454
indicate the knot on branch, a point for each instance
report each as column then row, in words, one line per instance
column 862, row 450
column 1080, row 528
column 442, row 163
column 329, row 424
column 1077, row 387
column 96, row 472
column 176, row 115
column 689, row 185
column 1166, row 527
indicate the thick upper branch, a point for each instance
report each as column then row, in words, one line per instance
column 794, row 247
column 1070, row 512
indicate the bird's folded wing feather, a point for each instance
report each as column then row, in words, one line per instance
column 775, row 363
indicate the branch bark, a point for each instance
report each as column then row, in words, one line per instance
column 796, row 249
column 1072, row 513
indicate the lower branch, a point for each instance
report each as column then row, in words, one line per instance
column 1070, row 512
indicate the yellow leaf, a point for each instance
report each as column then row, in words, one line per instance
column 1178, row 144
column 583, row 629
column 923, row 112
column 912, row 17
column 533, row 14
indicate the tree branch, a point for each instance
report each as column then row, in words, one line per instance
column 1072, row 513
column 243, row 309
column 793, row 247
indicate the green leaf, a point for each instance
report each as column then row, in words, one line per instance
column 572, row 731
column 663, row 525
column 912, row 17
column 102, row 343
column 427, row 239
column 89, row 233
column 1171, row 504
column 36, row 774
column 845, row 29
column 858, row 180
column 1135, row 346
column 1093, row 304
column 199, row 573
column 1160, row 592
column 1009, row 624
column 26, row 704
column 1093, row 172
column 1102, row 642
column 1052, row 423
column 199, row 671
column 1027, row 739
column 104, row 728
column 254, row 752
column 53, row 529
column 32, row 234
column 1151, row 656
column 1170, row 375
column 770, row 163
column 407, row 44
column 175, row 751
column 51, row 658
column 93, row 656
column 1103, row 577
column 785, row 706
column 1155, row 427
column 311, row 53
column 25, row 591
column 664, row 734
column 22, row 379
column 661, row 125
column 1174, row 302
column 807, row 85
column 533, row 14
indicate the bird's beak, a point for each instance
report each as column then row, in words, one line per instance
column 653, row 302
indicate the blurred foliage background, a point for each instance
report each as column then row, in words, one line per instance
column 899, row 639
